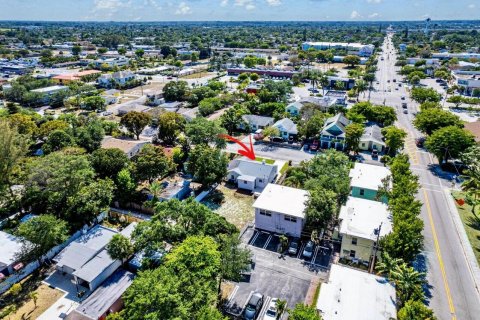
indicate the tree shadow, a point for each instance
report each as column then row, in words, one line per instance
column 474, row 222
column 420, row 265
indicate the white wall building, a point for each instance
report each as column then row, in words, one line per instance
column 351, row 294
column 251, row 175
column 363, row 50
column 281, row 209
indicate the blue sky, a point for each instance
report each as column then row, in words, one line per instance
column 231, row 10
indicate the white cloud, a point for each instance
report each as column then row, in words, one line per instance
column 274, row 3
column 153, row 4
column 471, row 6
column 111, row 5
column 183, row 9
column 247, row 4
column 374, row 1
column 224, row 3
column 355, row 15
column 374, row 15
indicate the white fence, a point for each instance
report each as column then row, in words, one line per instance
column 29, row 268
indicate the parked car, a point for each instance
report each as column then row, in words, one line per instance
column 107, row 113
column 253, row 307
column 404, row 105
column 374, row 154
column 403, row 98
column 293, row 247
column 394, row 80
column 276, row 139
column 271, row 313
column 308, row 250
column 405, row 111
column 420, row 141
column 314, row 146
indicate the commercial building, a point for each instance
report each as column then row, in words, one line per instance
column 281, row 209
column 350, row 294
column 77, row 76
column 277, row 73
column 50, row 90
column 363, row 50
column 362, row 224
column 469, row 80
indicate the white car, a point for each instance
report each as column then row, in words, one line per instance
column 271, row 313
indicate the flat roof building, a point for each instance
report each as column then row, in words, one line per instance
column 366, row 180
column 351, row 294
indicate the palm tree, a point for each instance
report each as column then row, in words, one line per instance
column 156, row 189
column 281, row 306
column 471, row 186
column 34, row 296
column 323, row 80
column 387, row 265
column 360, row 86
column 408, row 283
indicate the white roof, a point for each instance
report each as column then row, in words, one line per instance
column 50, row 89
column 352, row 294
column 360, row 217
column 10, row 245
column 281, row 199
column 257, row 169
column 367, row 176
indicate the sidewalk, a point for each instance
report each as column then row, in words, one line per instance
column 467, row 248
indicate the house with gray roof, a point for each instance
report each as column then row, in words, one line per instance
column 257, row 122
column 372, row 138
column 106, row 299
column 321, row 103
column 86, row 258
column 251, row 175
column 333, row 132
column 288, row 129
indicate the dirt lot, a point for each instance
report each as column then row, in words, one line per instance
column 198, row 75
column 46, row 297
column 235, row 206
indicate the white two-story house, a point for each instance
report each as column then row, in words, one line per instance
column 281, row 210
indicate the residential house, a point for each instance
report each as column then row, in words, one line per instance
column 333, row 132
column 10, row 247
column 87, row 260
column 350, row 294
column 281, row 209
column 119, row 78
column 287, row 128
column 105, row 300
column 366, row 179
column 130, row 147
column 128, row 107
column 294, row 108
column 111, row 62
column 340, row 96
column 251, row 175
column 253, row 88
column 255, row 122
column 372, row 139
column 175, row 190
column 48, row 91
column 110, row 96
column 321, row 103
column 362, row 223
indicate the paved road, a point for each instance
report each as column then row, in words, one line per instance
column 453, row 292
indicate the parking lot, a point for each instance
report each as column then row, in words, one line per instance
column 277, row 276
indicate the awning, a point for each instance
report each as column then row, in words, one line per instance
column 18, row 266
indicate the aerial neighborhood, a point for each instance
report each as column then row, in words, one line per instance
column 238, row 170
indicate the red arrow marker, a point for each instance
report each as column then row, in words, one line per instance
column 247, row 151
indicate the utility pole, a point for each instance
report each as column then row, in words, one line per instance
column 375, row 249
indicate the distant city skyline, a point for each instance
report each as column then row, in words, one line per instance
column 238, row 10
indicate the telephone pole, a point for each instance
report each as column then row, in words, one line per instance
column 375, row 248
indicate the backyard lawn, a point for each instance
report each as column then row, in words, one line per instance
column 470, row 222
column 235, row 206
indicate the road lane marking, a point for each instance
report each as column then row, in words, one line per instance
column 439, row 256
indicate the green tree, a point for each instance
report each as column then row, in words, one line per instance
column 351, row 60
column 15, row 289
column 90, row 136
column 47, row 127
column 202, row 131
column 312, row 126
column 456, row 100
column 321, row 207
column 125, row 185
column 40, row 234
column 433, row 119
column 207, row 165
column 353, row 134
column 152, row 163
column 270, row 131
column 24, row 123
column 232, row 119
column 394, row 139
column 139, row 53
column 135, row 122
column 408, row 283
column 175, row 90
column 94, row 103
column 449, row 142
column 281, row 306
column 108, row 162
column 295, row 177
column 387, row 265
column 209, row 105
column 170, row 124
column 119, row 247
column 76, row 50
column 57, row 140
column 122, row 51
column 415, row 310
column 304, row 312
column 34, row 296
column 422, row 95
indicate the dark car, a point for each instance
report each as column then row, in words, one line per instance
column 293, row 247
column 405, row 111
column 253, row 307
column 308, row 250
column 374, row 154
column 404, row 105
column 420, row 141
column 314, row 146
column 403, row 98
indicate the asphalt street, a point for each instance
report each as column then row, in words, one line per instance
column 453, row 292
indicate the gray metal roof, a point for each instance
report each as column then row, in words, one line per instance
column 373, row 133
column 257, row 120
column 286, row 125
column 104, row 297
column 93, row 268
column 252, row 168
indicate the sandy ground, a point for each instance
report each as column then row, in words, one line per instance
column 46, row 297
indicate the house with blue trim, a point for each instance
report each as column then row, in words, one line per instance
column 333, row 132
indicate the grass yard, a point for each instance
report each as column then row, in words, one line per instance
column 197, row 75
column 470, row 222
column 235, row 206
column 46, row 297
column 267, row 161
